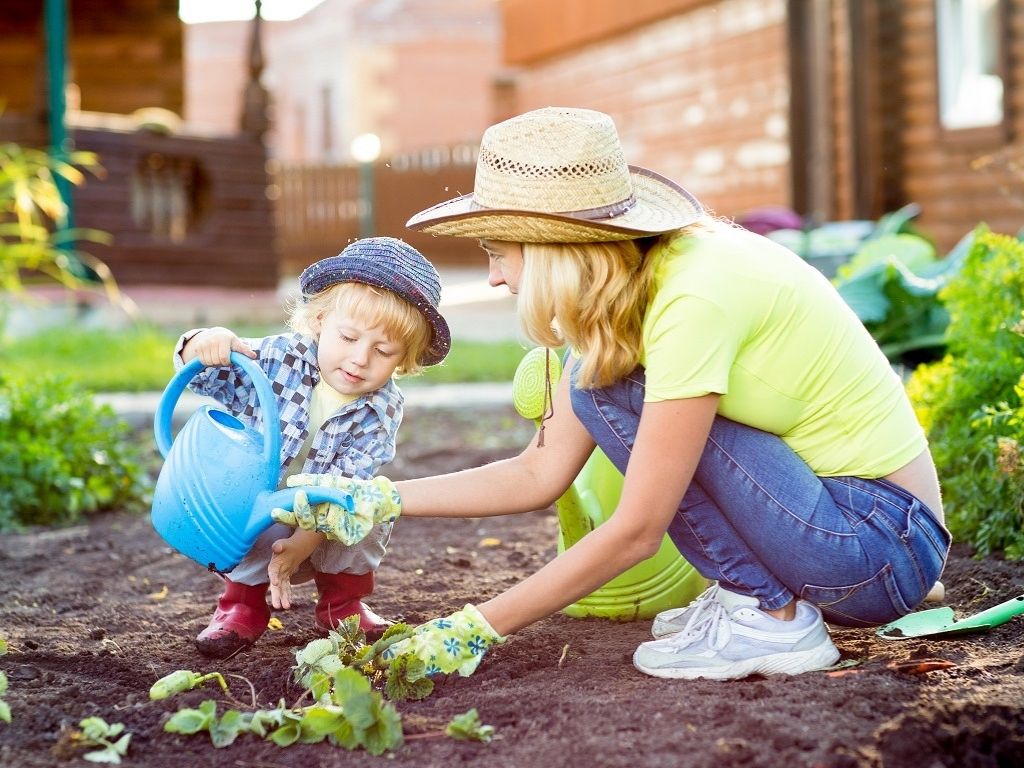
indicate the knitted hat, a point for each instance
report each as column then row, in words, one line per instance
column 559, row 175
column 394, row 265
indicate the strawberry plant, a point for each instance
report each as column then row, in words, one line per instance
column 467, row 727
column 351, row 715
column 96, row 732
column 347, row 679
column 402, row 678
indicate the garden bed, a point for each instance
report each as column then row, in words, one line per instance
column 94, row 614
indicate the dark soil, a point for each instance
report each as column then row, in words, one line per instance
column 94, row 614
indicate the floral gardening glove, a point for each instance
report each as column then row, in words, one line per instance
column 454, row 644
column 373, row 501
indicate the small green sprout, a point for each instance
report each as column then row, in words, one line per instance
column 467, row 727
column 181, row 681
column 96, row 732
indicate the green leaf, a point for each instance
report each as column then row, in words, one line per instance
column 406, row 679
column 912, row 251
column 286, row 735
column 345, row 735
column 5, row 711
column 348, row 683
column 3, row 683
column 467, row 727
column 3, row 646
column 189, row 721
column 224, row 733
column 386, row 731
column 262, row 721
column 320, row 721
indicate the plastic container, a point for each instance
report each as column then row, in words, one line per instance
column 665, row 580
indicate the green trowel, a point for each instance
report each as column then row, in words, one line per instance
column 940, row 621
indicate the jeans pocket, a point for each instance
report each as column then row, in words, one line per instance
column 868, row 603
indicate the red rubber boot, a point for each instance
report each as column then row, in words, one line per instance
column 340, row 595
column 241, row 617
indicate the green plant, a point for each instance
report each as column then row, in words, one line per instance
column 96, row 732
column 351, row 715
column 467, row 727
column 342, row 673
column 893, row 284
column 62, row 456
column 968, row 402
column 33, row 218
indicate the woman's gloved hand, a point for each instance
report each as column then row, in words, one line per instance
column 454, row 644
column 373, row 501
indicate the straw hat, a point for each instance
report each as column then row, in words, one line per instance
column 558, row 175
column 394, row 265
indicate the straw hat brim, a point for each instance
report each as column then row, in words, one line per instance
column 660, row 206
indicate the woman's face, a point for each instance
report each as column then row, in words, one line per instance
column 505, row 263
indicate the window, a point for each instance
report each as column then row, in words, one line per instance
column 970, row 66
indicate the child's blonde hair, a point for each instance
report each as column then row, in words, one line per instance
column 401, row 321
column 592, row 296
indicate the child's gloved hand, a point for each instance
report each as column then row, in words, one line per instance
column 454, row 644
column 373, row 501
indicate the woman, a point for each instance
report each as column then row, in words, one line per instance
column 754, row 418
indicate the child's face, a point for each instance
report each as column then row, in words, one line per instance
column 355, row 358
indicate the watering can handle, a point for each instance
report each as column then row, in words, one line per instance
column 165, row 410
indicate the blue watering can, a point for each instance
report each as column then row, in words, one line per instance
column 215, row 492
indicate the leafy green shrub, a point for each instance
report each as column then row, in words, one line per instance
column 893, row 283
column 62, row 456
column 964, row 400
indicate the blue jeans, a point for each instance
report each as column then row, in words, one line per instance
column 760, row 522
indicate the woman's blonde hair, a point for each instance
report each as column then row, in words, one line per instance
column 592, row 296
column 401, row 321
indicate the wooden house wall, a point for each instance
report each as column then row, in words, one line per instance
column 122, row 55
column 229, row 236
column 700, row 95
column 941, row 169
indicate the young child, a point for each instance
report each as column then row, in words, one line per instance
column 365, row 314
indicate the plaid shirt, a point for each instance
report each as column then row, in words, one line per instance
column 355, row 441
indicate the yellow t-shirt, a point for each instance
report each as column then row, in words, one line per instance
column 736, row 314
column 326, row 401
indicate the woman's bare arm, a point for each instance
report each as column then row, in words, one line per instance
column 532, row 480
column 669, row 444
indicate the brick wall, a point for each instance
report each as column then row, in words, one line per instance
column 701, row 96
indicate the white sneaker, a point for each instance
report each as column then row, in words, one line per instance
column 730, row 637
column 674, row 619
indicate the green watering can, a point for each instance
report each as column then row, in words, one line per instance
column 661, row 582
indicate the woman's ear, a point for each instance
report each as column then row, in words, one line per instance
column 316, row 323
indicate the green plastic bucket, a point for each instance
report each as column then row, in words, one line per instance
column 662, row 581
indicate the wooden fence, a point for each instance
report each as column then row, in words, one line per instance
column 320, row 208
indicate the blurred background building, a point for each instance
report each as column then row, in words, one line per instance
column 836, row 109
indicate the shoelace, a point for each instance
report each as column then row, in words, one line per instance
column 697, row 603
column 711, row 620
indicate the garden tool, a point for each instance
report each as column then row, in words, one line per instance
column 940, row 621
column 215, row 492
column 664, row 580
